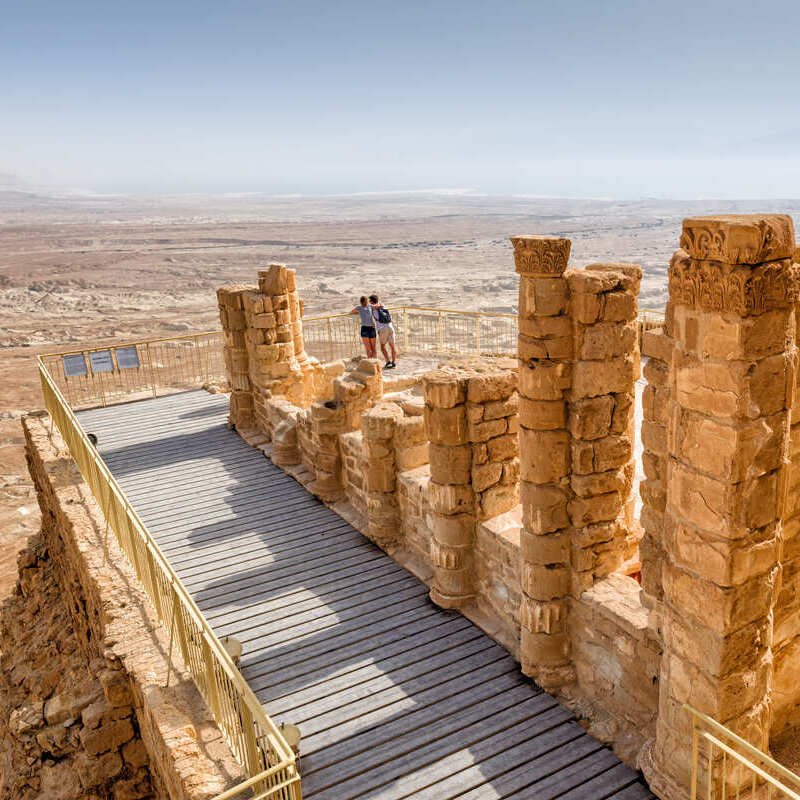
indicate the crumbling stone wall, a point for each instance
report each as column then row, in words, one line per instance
column 85, row 709
column 264, row 348
column 578, row 360
column 471, row 423
column 732, row 379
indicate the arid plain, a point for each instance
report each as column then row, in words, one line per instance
column 87, row 269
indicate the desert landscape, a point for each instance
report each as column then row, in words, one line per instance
column 93, row 269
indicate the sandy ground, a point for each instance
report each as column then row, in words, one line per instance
column 97, row 269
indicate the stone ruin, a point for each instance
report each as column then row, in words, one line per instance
column 507, row 484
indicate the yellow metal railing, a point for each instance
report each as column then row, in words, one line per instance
column 418, row 329
column 431, row 330
column 97, row 376
column 726, row 767
column 255, row 741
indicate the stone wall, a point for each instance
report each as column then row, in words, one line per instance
column 92, row 715
column 729, row 510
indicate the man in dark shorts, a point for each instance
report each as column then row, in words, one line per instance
column 368, row 330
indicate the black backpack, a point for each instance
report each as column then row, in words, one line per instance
column 384, row 317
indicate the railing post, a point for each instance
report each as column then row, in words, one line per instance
column 150, row 368
column 478, row 335
column 441, row 332
column 330, row 339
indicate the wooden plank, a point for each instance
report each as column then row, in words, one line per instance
column 604, row 784
column 407, row 734
column 415, row 659
column 431, row 759
column 546, row 749
column 544, row 777
column 482, row 686
column 350, row 637
column 364, row 700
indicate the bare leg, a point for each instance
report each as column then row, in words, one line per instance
column 394, row 350
column 367, row 346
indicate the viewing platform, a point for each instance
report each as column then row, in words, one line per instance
column 394, row 697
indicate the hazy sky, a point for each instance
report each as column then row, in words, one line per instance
column 591, row 98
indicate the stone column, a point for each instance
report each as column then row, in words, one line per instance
column 232, row 317
column 353, row 393
column 451, row 497
column 731, row 316
column 378, row 427
column 546, row 350
column 603, row 307
column 657, row 348
column 471, row 419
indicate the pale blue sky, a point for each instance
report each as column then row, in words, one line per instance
column 590, row 98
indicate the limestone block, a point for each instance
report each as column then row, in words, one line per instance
column 495, row 409
column 379, row 422
column 591, row 418
column 613, row 480
column 545, row 549
column 502, row 448
column 540, row 255
column 545, row 582
column 450, row 464
column 655, row 404
column 494, row 386
column 630, row 275
column 451, row 498
column 280, row 302
column 265, row 320
column 612, row 452
column 497, row 500
column 656, row 373
column 455, row 530
column 484, row 431
column 412, row 457
column 544, row 508
column 485, row 475
column 539, row 616
column 739, row 238
column 585, row 308
column 593, row 282
column 731, row 451
column 605, row 340
column 409, row 432
column 544, row 455
column 594, row 378
column 619, row 306
column 656, row 344
column 538, row 650
column 542, row 415
column 530, row 349
column 443, row 389
column 446, row 425
column 726, row 562
column 720, row 609
column 544, row 380
column 274, row 280
column 712, row 505
column 541, row 297
column 593, row 509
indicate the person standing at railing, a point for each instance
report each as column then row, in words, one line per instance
column 368, row 326
column 383, row 322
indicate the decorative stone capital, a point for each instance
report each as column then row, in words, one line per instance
column 540, row 255
column 744, row 290
column 739, row 238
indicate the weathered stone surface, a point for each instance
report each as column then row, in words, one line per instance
column 540, row 255
column 739, row 238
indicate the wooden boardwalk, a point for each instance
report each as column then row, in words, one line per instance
column 394, row 697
